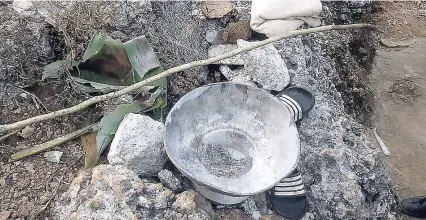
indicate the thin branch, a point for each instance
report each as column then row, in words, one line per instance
column 8, row 135
column 35, row 98
column 51, row 144
column 129, row 89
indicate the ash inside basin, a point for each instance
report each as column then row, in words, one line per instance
column 225, row 152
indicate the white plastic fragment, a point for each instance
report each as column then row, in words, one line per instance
column 381, row 143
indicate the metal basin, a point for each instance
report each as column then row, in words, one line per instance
column 237, row 140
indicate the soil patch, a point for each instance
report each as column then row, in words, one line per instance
column 405, row 89
column 398, row 81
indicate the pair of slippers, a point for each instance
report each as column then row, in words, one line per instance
column 288, row 197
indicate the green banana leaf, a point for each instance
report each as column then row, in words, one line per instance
column 110, row 123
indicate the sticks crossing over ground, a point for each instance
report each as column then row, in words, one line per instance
column 129, row 89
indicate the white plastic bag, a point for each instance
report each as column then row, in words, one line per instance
column 273, row 17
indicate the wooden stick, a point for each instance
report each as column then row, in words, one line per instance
column 129, row 89
column 7, row 135
column 50, row 144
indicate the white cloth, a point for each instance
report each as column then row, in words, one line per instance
column 273, row 17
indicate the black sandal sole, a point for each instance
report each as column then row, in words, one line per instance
column 284, row 203
column 298, row 100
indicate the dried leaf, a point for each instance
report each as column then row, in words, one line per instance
column 217, row 9
column 87, row 86
column 110, row 122
column 91, row 157
column 56, row 69
column 53, row 70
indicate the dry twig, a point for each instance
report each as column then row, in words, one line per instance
column 129, row 89
column 51, row 144
column 8, row 135
column 35, row 98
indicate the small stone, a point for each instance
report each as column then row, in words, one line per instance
column 49, row 134
column 43, row 199
column 195, row 12
column 57, row 133
column 39, row 135
column 53, row 156
column 53, row 185
column 4, row 215
column 8, row 180
column 70, row 177
column 145, row 202
column 308, row 216
column 169, row 180
column 239, row 30
column 138, row 144
column 214, row 37
column 18, row 110
column 266, row 217
column 162, row 195
column 23, row 95
column 217, row 9
column 185, row 201
column 232, row 214
column 239, row 79
column 29, row 166
column 27, row 132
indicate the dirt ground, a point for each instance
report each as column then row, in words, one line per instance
column 398, row 79
column 400, row 83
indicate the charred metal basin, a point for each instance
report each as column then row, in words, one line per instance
column 231, row 140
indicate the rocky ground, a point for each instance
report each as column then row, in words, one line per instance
column 342, row 168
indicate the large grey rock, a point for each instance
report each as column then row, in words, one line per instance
column 138, row 144
column 216, row 50
column 266, row 67
column 263, row 65
column 115, row 192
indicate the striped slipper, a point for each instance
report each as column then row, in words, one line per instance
column 288, row 197
column 298, row 100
